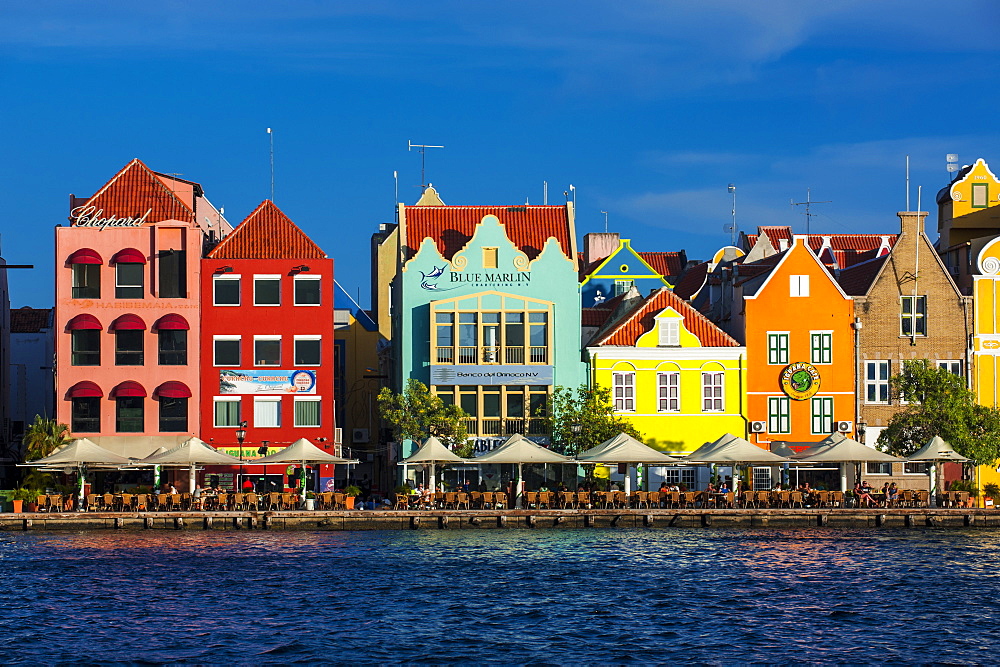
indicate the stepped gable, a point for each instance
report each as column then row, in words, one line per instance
column 692, row 281
column 267, row 233
column 451, row 227
column 857, row 280
column 665, row 263
column 642, row 320
column 30, row 320
column 136, row 189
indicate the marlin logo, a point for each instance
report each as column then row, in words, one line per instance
column 429, row 282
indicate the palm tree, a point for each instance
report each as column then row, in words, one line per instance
column 43, row 437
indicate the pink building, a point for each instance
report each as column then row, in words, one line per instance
column 128, row 271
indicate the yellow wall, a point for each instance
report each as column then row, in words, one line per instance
column 986, row 339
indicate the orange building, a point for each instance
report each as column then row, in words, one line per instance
column 796, row 323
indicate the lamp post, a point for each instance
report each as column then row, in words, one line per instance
column 577, row 429
column 241, row 434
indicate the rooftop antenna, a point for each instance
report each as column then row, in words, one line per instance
column 271, row 137
column 423, row 160
column 808, row 204
column 395, row 178
column 731, row 227
column 605, row 221
column 545, row 193
column 951, row 162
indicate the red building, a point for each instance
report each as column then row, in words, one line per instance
column 267, row 342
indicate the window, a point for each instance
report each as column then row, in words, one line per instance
column 490, row 258
column 173, row 347
column 445, row 329
column 307, row 350
column 762, row 478
column 173, row 414
column 226, row 290
column 777, row 348
column 307, row 290
column 779, row 414
column 822, row 414
column 172, row 283
column 624, row 391
column 267, row 290
column 86, row 415
column 876, row 382
column 669, row 385
column 227, row 350
column 129, row 280
column 307, row 411
column 798, row 285
column 953, row 366
column 538, row 333
column 670, row 333
column 913, row 316
column 686, row 476
column 878, row 468
column 821, row 347
column 712, row 389
column 128, row 347
column 267, row 350
column 86, row 347
column 129, row 414
column 267, row 411
column 915, row 468
column 622, row 286
column 227, row 412
column 86, row 281
column 980, row 195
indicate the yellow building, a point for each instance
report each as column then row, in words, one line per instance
column 673, row 374
column 986, row 338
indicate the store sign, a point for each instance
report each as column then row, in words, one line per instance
column 91, row 216
column 435, row 280
column 485, row 445
column 267, row 382
column 800, row 381
column 493, row 374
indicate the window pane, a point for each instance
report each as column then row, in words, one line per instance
column 86, row 415
column 307, row 352
column 307, row 291
column 173, row 347
column 172, row 281
column 267, row 291
column 445, row 329
column 227, row 291
column 128, row 347
column 227, row 413
column 129, row 280
column 307, row 413
column 267, row 352
column 491, row 401
column 515, row 404
column 86, row 281
column 129, row 414
column 173, row 414
column 468, row 334
column 267, row 413
column 86, row 347
column 469, row 403
column 227, row 353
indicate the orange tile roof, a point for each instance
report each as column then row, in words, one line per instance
column 451, row 227
column 267, row 233
column 136, row 189
column 665, row 263
column 641, row 321
column 692, row 281
column 848, row 249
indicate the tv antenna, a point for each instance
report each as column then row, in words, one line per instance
column 605, row 221
column 271, row 136
column 423, row 160
column 730, row 228
column 808, row 204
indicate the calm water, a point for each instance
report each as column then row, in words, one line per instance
column 515, row 596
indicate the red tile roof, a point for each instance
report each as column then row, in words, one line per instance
column 133, row 191
column 691, row 281
column 665, row 263
column 594, row 317
column 267, row 233
column 451, row 227
column 30, row 320
column 641, row 321
column 857, row 280
column 848, row 249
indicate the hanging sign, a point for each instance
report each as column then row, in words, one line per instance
column 800, row 381
column 91, row 216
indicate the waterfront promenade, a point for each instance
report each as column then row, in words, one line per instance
column 492, row 519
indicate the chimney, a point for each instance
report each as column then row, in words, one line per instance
column 597, row 246
column 782, row 245
column 911, row 222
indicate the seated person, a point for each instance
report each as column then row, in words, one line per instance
column 723, row 488
column 863, row 493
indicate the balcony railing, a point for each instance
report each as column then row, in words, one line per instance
column 492, row 354
column 502, row 427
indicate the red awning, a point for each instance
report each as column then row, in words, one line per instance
column 128, row 321
column 128, row 388
column 171, row 321
column 84, row 321
column 130, row 255
column 173, row 389
column 85, row 256
column 85, row 389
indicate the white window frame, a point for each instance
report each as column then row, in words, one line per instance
column 227, row 399
column 238, row 339
column 821, row 354
column 923, row 472
column 239, row 291
column 295, row 354
column 821, row 420
column 713, row 391
column 668, row 387
column 777, row 355
column 623, row 286
column 307, row 399
column 798, row 285
column 257, row 339
column 881, row 465
column 260, row 277
column 295, row 292
column 951, row 365
column 257, row 400
column 669, row 331
column 779, row 421
column 877, row 381
column 623, row 390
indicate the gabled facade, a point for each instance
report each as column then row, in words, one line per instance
column 967, row 220
column 610, row 267
column 267, row 341
column 673, row 374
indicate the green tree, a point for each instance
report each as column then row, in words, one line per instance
column 43, row 436
column 940, row 404
column 588, row 408
column 416, row 414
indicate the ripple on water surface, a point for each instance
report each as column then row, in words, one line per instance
column 555, row 596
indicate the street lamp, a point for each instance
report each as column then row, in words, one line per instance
column 241, row 434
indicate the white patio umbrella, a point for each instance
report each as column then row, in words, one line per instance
column 841, row 449
column 302, row 452
column 77, row 454
column 734, row 450
column 623, row 448
column 189, row 454
column 936, row 451
column 518, row 449
column 432, row 452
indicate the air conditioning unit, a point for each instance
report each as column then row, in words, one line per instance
column 359, row 435
column 845, row 427
column 758, row 427
column 338, row 436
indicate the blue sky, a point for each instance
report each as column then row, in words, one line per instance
column 649, row 108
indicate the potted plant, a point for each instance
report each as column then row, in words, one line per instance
column 992, row 493
column 20, row 496
column 351, row 492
